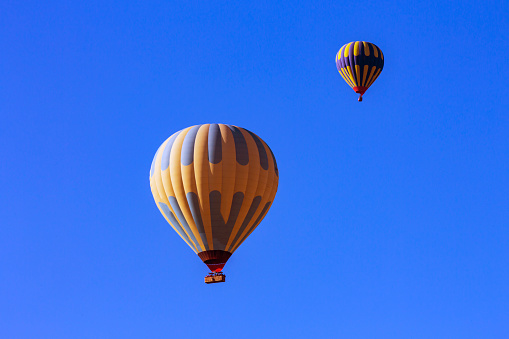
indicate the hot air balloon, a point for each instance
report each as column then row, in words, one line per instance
column 360, row 63
column 214, row 184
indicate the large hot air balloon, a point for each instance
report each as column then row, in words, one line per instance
column 214, row 183
column 360, row 63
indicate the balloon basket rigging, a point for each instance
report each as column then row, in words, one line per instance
column 215, row 277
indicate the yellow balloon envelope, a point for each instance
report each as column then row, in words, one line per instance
column 360, row 63
column 214, row 184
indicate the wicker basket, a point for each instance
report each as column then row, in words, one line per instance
column 211, row 279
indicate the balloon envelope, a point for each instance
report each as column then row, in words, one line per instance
column 214, row 183
column 360, row 64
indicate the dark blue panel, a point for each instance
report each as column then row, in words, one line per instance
column 351, row 58
column 362, row 62
column 357, row 59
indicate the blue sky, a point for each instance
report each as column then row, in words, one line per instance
column 391, row 218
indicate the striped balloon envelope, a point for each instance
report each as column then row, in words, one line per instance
column 360, row 64
column 214, row 184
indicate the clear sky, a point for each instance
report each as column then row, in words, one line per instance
column 391, row 218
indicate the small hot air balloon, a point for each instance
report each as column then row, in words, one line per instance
column 214, row 184
column 360, row 63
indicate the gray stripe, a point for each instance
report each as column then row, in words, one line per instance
column 165, row 158
column 273, row 159
column 187, row 154
column 237, row 200
column 258, row 220
column 219, row 232
column 222, row 231
column 174, row 222
column 241, row 152
column 152, row 167
column 194, row 206
column 249, row 216
column 215, row 146
column 178, row 213
column 264, row 161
